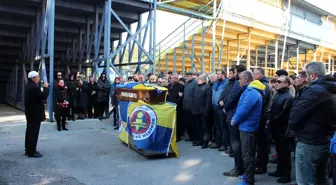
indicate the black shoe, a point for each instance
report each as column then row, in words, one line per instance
column 197, row 144
column 285, row 179
column 233, row 173
column 35, row 155
column 178, row 139
column 214, row 146
column 274, row 174
column 204, row 146
column 222, row 148
column 260, row 171
column 59, row 129
column 65, row 129
column 273, row 161
column 116, row 128
column 188, row 139
column 228, row 151
column 231, row 155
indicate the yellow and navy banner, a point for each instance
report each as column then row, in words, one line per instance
column 152, row 127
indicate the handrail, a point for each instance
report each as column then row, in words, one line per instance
column 199, row 10
column 185, row 29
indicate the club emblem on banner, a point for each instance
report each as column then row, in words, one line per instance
column 142, row 122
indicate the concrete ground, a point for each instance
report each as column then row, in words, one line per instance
column 91, row 154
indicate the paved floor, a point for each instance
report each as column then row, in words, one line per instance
column 91, row 154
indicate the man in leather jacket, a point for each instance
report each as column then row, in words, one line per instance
column 278, row 122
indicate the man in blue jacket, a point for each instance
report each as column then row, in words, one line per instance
column 222, row 133
column 247, row 119
column 230, row 105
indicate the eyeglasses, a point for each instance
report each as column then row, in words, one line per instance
column 279, row 81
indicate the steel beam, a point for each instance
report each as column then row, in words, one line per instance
column 238, row 50
column 276, row 55
column 256, row 56
column 248, row 61
column 329, row 63
column 214, row 8
column 203, row 35
column 333, row 66
column 107, row 36
column 154, row 34
column 51, row 24
column 266, row 55
column 297, row 59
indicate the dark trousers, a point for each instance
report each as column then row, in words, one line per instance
column 101, row 107
column 180, row 124
column 32, row 134
column 283, row 147
column 189, row 119
column 236, row 147
column 90, row 107
column 222, row 130
column 248, row 143
column 262, row 146
column 334, row 168
column 211, row 123
column 202, row 132
column 60, row 116
column 71, row 113
column 116, row 116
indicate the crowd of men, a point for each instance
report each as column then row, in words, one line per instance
column 244, row 114
column 241, row 113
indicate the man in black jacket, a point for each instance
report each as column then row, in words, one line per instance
column 230, row 106
column 225, row 94
column 103, row 92
column 313, row 120
column 92, row 98
column 262, row 134
column 188, row 104
column 278, row 122
column 202, row 109
column 175, row 93
column 34, row 111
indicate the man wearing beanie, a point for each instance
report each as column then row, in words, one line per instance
column 34, row 111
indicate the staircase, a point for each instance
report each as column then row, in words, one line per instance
column 188, row 45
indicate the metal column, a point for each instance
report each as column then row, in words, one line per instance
column 286, row 33
column 333, row 65
column 203, row 35
column 51, row 24
column 276, row 55
column 329, row 63
column 214, row 8
column 107, row 37
column 256, row 56
column 238, row 50
column 297, row 58
column 248, row 61
column 266, row 55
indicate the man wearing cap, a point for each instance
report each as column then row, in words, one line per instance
column 34, row 111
